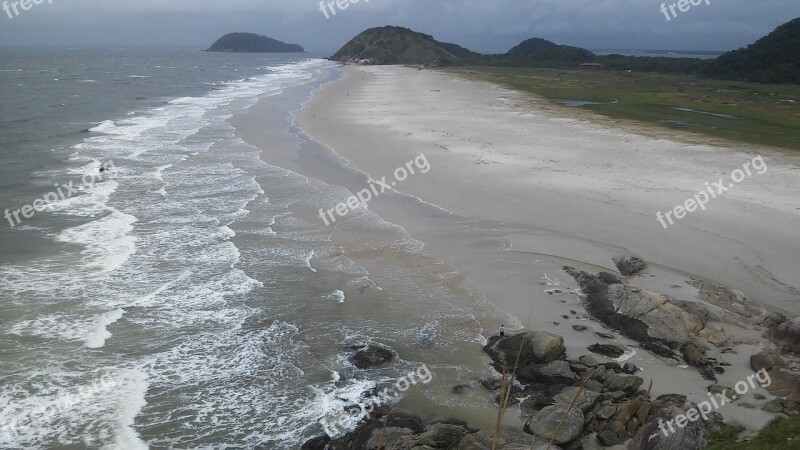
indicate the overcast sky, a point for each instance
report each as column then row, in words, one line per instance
column 488, row 25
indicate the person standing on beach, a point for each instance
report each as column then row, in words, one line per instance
column 502, row 330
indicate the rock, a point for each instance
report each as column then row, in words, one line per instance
column 759, row 396
column 586, row 399
column 441, row 436
column 587, row 361
column 694, row 356
column 371, row 356
column 609, row 438
column 612, row 351
column 579, row 328
column 629, row 265
column 535, row 401
column 490, row 384
column 738, row 308
column 546, row 422
column 479, row 441
column 399, row 426
column 718, row 338
column 663, row 411
column 538, row 347
column 766, row 360
column 605, row 410
column 594, row 385
column 317, row 443
column 773, row 406
column 637, row 313
column 556, row 372
column 784, row 383
column 786, row 335
column 605, row 335
column 624, row 383
column 460, row 389
column 629, row 368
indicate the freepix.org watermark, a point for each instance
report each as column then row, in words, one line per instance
column 375, row 189
column 682, row 6
column 389, row 394
column 706, row 407
column 62, row 192
column 24, row 5
column 329, row 8
column 712, row 191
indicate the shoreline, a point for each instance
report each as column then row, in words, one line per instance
column 515, row 258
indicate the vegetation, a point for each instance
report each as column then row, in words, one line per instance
column 780, row 434
column 773, row 59
column 746, row 112
column 252, row 43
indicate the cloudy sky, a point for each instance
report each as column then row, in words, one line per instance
column 482, row 25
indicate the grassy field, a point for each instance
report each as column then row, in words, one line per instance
column 750, row 113
column 781, row 434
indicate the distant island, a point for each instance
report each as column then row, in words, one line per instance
column 252, row 43
column 772, row 59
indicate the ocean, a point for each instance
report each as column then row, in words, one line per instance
column 187, row 295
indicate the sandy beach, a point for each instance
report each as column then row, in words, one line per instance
column 517, row 189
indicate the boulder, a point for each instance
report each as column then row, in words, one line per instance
column 656, row 434
column 612, row 351
column 371, row 356
column 555, row 372
column 629, row 265
column 786, row 335
column 545, row 423
column 586, row 400
column 766, row 360
column 533, row 347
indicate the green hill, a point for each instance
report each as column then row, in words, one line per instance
column 774, row 58
column 397, row 45
column 252, row 43
column 537, row 49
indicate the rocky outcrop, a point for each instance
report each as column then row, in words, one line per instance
column 370, row 356
column 662, row 325
column 629, row 265
column 783, row 332
column 657, row 434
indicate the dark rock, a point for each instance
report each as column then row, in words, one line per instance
column 579, row 328
column 623, row 383
column 612, row 351
column 605, row 335
column 594, row 385
column 491, row 384
column 460, row 389
column 609, row 438
column 533, row 347
column 317, row 443
column 371, row 356
column 629, row 265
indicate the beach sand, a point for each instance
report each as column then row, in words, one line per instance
column 516, row 190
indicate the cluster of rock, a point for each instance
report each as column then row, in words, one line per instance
column 609, row 401
column 667, row 327
column 573, row 401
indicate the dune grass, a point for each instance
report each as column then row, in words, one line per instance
column 781, row 434
column 764, row 114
